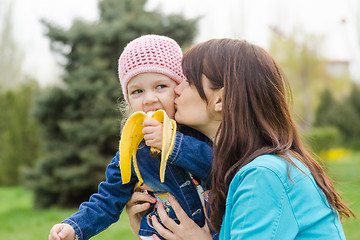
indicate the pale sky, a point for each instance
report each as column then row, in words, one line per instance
column 245, row 19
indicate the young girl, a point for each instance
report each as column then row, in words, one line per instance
column 149, row 70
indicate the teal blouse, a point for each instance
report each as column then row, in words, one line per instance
column 263, row 203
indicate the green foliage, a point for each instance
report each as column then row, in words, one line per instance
column 80, row 121
column 324, row 111
column 19, row 138
column 322, row 138
column 305, row 68
column 344, row 114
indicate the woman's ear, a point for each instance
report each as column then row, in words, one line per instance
column 218, row 100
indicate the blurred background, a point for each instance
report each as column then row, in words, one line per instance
column 59, row 92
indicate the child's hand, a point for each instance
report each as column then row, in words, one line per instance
column 153, row 131
column 62, row 231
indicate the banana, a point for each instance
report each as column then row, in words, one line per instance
column 169, row 135
column 132, row 135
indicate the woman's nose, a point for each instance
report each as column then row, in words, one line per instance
column 179, row 88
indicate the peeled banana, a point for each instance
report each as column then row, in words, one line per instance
column 132, row 136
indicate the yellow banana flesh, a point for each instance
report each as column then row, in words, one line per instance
column 132, row 136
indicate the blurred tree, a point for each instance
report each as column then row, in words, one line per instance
column 305, row 68
column 10, row 54
column 80, row 121
column 325, row 110
column 347, row 117
column 19, row 140
column 354, row 98
column 344, row 114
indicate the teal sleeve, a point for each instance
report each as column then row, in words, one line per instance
column 259, row 206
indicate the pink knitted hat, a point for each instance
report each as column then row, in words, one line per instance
column 150, row 53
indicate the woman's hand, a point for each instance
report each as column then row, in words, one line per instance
column 186, row 230
column 62, row 231
column 137, row 206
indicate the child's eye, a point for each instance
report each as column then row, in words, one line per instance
column 161, row 86
column 137, row 91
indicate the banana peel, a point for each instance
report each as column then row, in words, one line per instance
column 132, row 135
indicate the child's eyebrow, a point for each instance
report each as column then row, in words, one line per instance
column 162, row 80
column 132, row 86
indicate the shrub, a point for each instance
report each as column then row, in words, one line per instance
column 323, row 138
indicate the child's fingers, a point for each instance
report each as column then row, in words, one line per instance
column 138, row 208
column 141, row 197
column 67, row 233
column 139, row 203
column 142, row 188
column 151, row 122
column 153, row 136
column 53, row 236
column 55, row 230
column 152, row 129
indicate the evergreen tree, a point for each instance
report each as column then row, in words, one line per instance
column 325, row 109
column 343, row 114
column 354, row 98
column 80, row 120
column 350, row 120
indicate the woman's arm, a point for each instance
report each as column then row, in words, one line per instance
column 186, row 230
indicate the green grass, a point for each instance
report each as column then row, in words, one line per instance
column 19, row 221
column 346, row 174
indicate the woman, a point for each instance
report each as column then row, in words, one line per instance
column 265, row 183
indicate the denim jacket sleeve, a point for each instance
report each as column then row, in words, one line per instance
column 104, row 207
column 193, row 155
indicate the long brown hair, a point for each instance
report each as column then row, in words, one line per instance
column 256, row 118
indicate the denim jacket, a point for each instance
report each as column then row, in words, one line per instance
column 192, row 153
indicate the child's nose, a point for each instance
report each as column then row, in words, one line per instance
column 150, row 98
